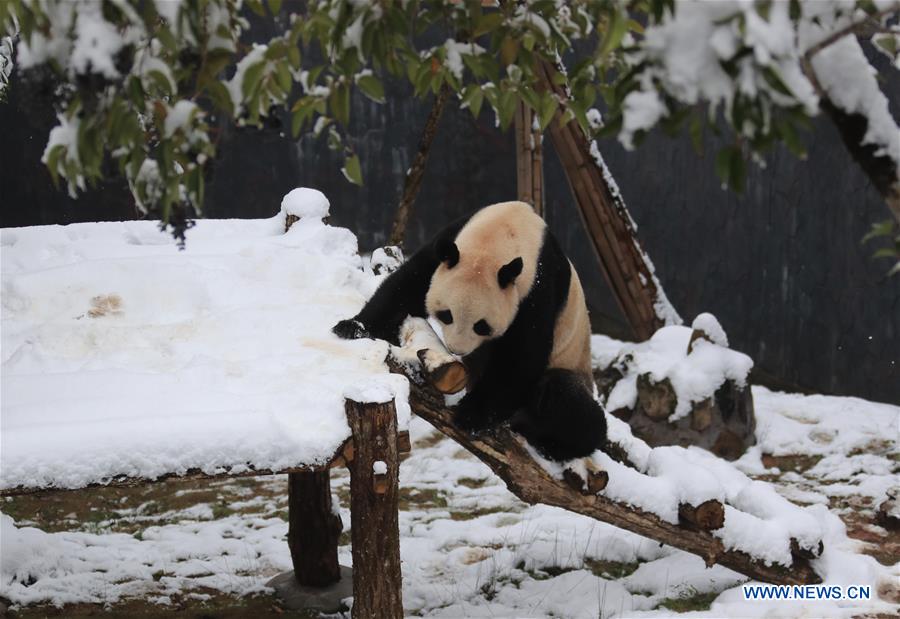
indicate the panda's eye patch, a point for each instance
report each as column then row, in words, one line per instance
column 445, row 317
column 483, row 328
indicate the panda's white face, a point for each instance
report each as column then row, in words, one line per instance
column 472, row 301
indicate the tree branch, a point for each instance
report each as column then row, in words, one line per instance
column 505, row 454
column 417, row 171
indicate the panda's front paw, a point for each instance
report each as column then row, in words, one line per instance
column 473, row 415
column 350, row 329
column 473, row 422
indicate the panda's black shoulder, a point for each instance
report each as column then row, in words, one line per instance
column 553, row 274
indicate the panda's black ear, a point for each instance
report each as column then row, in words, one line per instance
column 448, row 252
column 509, row 272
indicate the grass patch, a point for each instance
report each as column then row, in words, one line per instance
column 421, row 498
column 468, row 482
column 610, row 570
column 689, row 602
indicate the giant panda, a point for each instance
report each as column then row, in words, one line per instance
column 501, row 294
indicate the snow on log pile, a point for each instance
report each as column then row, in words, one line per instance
column 125, row 357
column 683, row 386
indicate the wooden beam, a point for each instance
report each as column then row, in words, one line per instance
column 374, row 501
column 248, row 470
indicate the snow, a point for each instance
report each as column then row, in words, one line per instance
column 236, row 84
column 380, row 390
column 124, row 356
column 383, row 262
column 641, row 111
column 65, row 134
column 851, row 83
column 472, row 550
column 694, row 376
column 179, row 117
column 708, row 323
column 454, row 51
column 306, row 203
column 96, row 44
column 684, row 57
column 379, row 467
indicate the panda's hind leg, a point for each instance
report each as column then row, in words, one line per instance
column 562, row 421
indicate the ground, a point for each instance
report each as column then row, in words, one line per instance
column 469, row 547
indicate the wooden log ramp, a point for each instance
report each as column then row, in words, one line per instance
column 503, row 451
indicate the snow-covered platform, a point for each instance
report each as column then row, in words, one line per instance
column 125, row 357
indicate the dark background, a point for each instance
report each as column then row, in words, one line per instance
column 781, row 266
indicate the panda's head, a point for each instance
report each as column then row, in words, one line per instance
column 473, row 297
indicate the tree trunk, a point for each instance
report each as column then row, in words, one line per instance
column 374, row 493
column 529, row 159
column 313, row 529
column 613, row 233
column 417, row 171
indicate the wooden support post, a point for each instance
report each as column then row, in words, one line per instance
column 313, row 529
column 374, row 493
column 609, row 226
column 529, row 159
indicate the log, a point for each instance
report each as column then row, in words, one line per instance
column 313, row 529
column 707, row 516
column 504, row 453
column 595, row 482
column 374, row 496
column 439, row 367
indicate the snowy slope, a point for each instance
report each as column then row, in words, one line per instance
column 122, row 355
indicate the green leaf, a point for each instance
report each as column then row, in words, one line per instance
column 372, row 88
column 723, row 164
column 52, row 161
column 221, row 97
column 883, row 228
column 275, row 6
column 297, row 119
column 696, row 131
column 352, row 170
column 473, row 98
column 283, row 75
column 885, row 252
column 506, row 108
column 252, row 77
column 547, row 110
column 616, row 30
column 487, row 23
column 257, row 7
column 294, row 56
column 340, row 104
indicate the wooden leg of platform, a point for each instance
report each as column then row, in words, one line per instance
column 374, row 493
column 313, row 532
column 313, row 529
